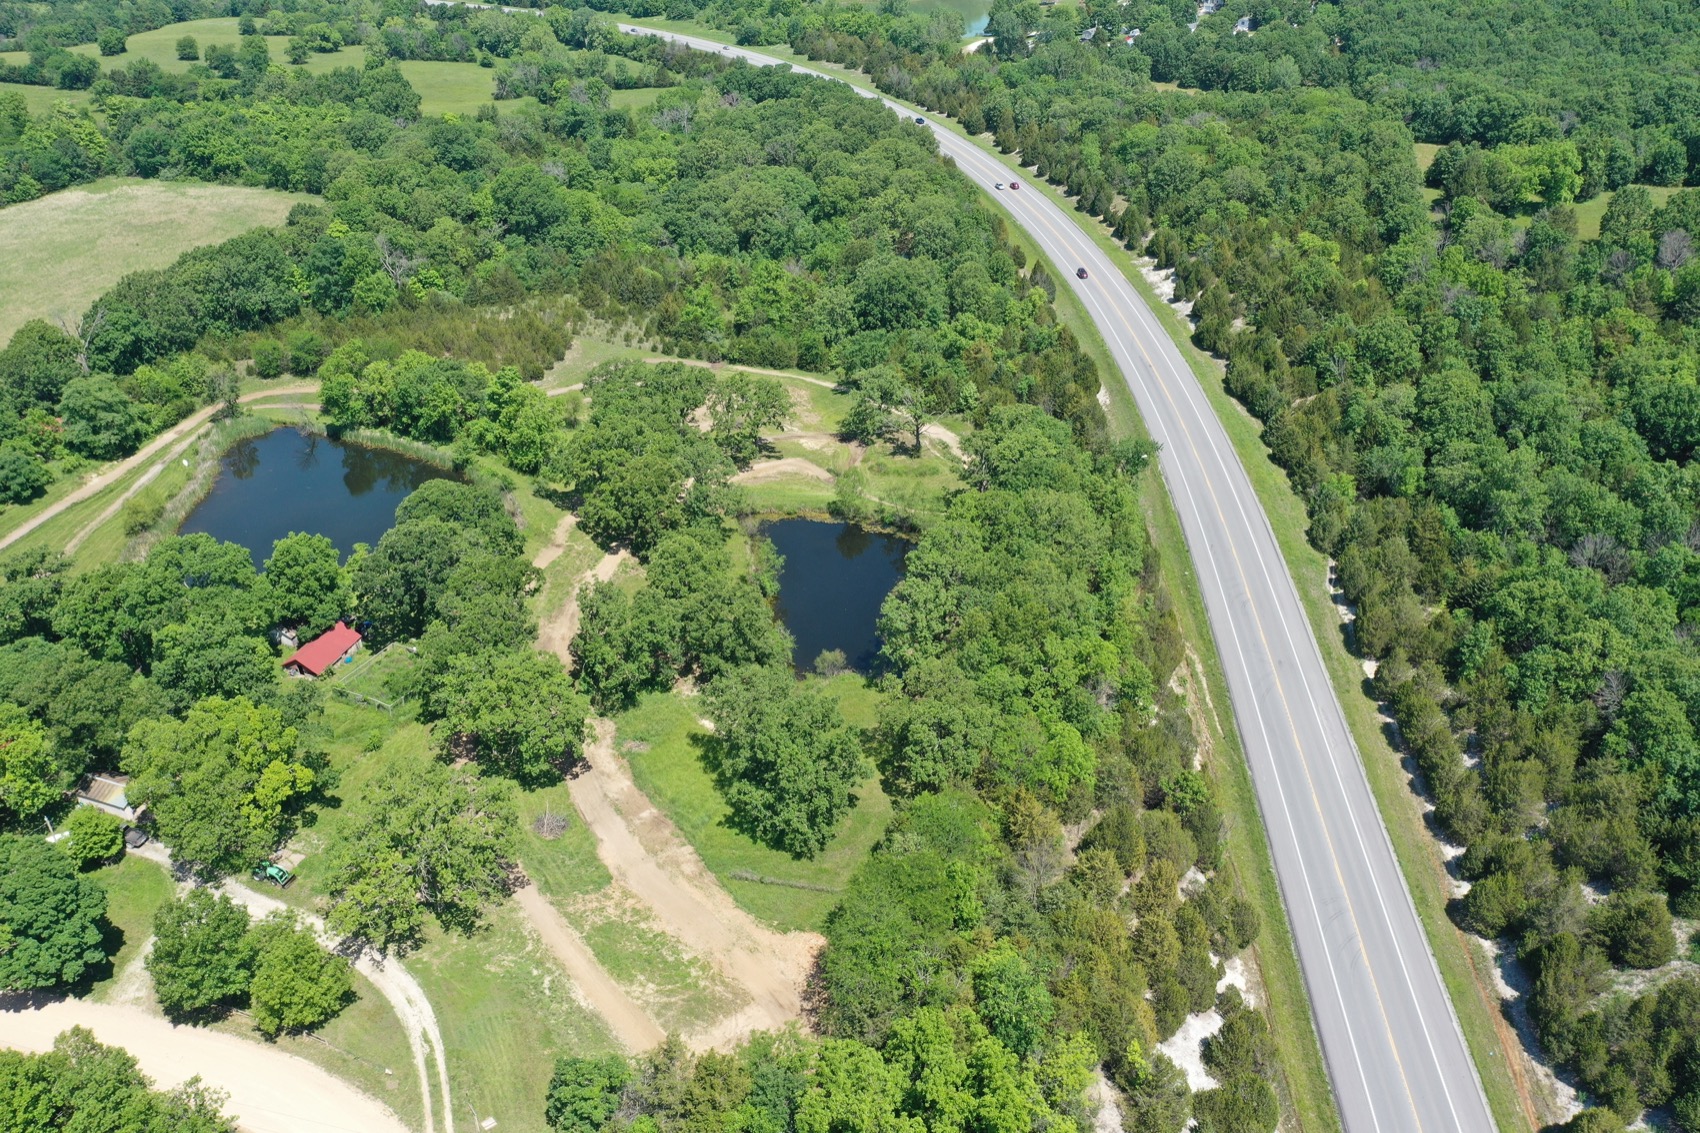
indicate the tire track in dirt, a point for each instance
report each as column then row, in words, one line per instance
column 269, row 1090
column 556, row 632
column 645, row 854
column 630, row 1023
column 406, row 998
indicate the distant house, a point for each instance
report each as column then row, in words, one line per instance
column 311, row 660
column 107, row 792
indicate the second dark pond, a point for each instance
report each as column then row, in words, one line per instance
column 830, row 589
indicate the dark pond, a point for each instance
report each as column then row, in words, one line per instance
column 289, row 480
column 830, row 589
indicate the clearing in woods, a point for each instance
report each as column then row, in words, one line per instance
column 61, row 252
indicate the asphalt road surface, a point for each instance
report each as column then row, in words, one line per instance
column 1395, row 1053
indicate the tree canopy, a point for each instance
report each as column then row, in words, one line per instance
column 52, row 921
column 226, row 784
column 785, row 758
column 424, row 838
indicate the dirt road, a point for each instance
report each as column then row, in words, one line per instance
column 406, row 998
column 765, row 471
column 646, row 853
column 270, row 1091
column 152, row 474
column 632, row 1025
column 184, row 428
column 556, row 634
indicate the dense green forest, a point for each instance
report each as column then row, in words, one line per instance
column 1023, row 921
column 1491, row 420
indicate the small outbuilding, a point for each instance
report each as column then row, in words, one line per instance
column 107, row 792
column 313, row 659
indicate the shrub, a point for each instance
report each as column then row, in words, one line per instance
column 187, row 49
column 96, row 837
column 201, row 958
column 141, row 512
column 1634, row 929
column 270, row 358
column 23, row 476
column 307, row 351
column 297, row 984
column 112, row 41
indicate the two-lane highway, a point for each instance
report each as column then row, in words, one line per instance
column 1395, row 1053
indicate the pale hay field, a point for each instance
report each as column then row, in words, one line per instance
column 58, row 254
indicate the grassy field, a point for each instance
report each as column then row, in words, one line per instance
column 660, row 738
column 505, row 1007
column 160, row 47
column 588, row 351
column 444, row 88
column 1590, row 213
column 450, row 88
column 59, row 253
column 135, row 888
column 635, row 98
column 507, row 1011
column 39, row 100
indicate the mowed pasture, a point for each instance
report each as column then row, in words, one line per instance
column 58, row 254
column 39, row 100
column 444, row 88
column 159, row 46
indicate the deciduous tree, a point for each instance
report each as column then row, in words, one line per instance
column 516, row 712
column 226, row 784
column 52, row 921
column 425, row 837
column 297, row 985
column 784, row 757
column 202, row 958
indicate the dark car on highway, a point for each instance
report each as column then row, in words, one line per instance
column 1081, row 272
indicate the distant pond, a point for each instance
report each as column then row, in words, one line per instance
column 830, row 589
column 291, row 480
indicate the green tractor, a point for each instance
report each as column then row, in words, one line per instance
column 274, row 873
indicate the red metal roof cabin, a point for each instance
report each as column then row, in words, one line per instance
column 323, row 651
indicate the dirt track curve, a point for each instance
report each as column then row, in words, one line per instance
column 270, row 1091
column 646, row 855
column 406, row 998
